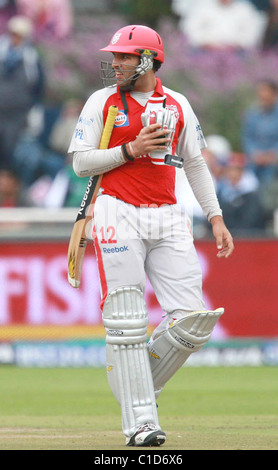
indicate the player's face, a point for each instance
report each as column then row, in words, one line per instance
column 124, row 66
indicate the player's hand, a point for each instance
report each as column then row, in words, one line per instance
column 224, row 240
column 150, row 138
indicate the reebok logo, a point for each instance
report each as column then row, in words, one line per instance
column 85, row 201
column 121, row 249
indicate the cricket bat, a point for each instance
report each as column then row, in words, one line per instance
column 78, row 239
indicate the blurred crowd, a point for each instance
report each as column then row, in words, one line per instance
column 35, row 169
column 247, row 182
column 229, row 24
column 34, row 135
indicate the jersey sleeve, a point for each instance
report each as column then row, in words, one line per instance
column 191, row 139
column 87, row 133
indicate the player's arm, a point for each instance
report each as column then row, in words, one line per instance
column 191, row 141
column 88, row 158
column 94, row 161
column 201, row 182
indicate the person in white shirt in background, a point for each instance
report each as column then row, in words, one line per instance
column 221, row 24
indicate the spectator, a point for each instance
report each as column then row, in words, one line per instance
column 50, row 177
column 260, row 132
column 52, row 18
column 12, row 195
column 42, row 148
column 262, row 5
column 21, row 84
column 239, row 196
column 224, row 24
column 269, row 197
column 270, row 39
column 8, row 8
column 11, row 192
column 66, row 190
column 63, row 128
column 182, row 8
column 217, row 154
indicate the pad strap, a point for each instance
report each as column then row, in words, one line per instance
column 169, row 350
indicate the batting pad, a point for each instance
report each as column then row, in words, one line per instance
column 169, row 351
column 128, row 368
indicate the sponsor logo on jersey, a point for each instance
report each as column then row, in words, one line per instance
column 200, row 135
column 121, row 119
column 78, row 134
column 85, row 121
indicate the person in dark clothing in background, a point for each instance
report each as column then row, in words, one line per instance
column 21, row 84
column 270, row 39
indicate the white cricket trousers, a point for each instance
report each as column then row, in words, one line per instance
column 132, row 242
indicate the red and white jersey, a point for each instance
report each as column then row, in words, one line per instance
column 139, row 182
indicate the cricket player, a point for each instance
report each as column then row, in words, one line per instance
column 139, row 229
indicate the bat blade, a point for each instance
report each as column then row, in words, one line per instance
column 76, row 253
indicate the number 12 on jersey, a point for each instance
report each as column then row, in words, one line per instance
column 108, row 235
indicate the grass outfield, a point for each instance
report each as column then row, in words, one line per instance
column 201, row 408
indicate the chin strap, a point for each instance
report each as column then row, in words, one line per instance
column 124, row 101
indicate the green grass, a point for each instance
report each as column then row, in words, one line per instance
column 200, row 408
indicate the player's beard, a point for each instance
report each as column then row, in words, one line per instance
column 124, row 78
